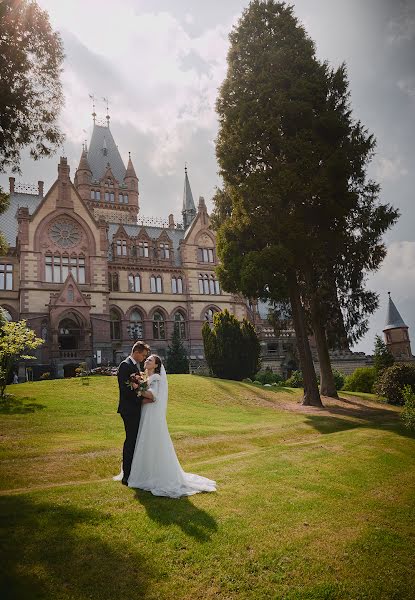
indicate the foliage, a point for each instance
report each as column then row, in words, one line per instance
column 45, row 375
column 15, row 340
column 393, row 380
column 408, row 411
column 231, row 347
column 31, row 55
column 296, row 380
column 339, row 379
column 268, row 376
column 177, row 360
column 382, row 357
column 361, row 380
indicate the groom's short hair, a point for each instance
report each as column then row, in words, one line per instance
column 140, row 347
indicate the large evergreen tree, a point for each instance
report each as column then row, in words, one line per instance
column 31, row 56
column 293, row 162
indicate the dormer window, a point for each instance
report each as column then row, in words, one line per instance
column 143, row 249
column 164, row 251
column 121, row 248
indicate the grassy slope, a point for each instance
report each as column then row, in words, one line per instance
column 311, row 504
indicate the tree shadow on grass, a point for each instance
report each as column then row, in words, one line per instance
column 351, row 414
column 181, row 512
column 19, row 406
column 52, row 551
column 256, row 390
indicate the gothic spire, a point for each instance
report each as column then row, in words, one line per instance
column 189, row 209
column 130, row 172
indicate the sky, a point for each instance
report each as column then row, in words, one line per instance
column 160, row 63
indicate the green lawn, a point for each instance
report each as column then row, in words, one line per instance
column 311, row 504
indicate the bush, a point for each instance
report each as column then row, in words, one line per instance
column 362, row 380
column 393, row 380
column 45, row 376
column 408, row 412
column 296, row 380
column 339, row 379
column 268, row 376
column 256, row 382
column 247, row 380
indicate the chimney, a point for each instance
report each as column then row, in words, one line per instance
column 40, row 188
column 64, row 185
column 11, row 183
column 171, row 222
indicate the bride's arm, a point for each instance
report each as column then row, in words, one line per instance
column 150, row 395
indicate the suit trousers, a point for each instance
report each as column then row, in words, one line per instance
column 131, row 424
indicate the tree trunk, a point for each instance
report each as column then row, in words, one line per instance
column 327, row 385
column 311, row 393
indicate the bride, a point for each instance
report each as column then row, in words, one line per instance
column 155, row 466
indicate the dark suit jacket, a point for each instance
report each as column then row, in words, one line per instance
column 130, row 403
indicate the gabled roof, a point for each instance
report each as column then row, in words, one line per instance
column 103, row 150
column 8, row 219
column 393, row 318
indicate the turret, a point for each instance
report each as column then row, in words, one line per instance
column 396, row 333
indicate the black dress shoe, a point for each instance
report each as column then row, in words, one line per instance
column 124, row 481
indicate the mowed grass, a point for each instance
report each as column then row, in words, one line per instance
column 311, row 504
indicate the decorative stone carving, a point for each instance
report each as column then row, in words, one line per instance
column 65, row 233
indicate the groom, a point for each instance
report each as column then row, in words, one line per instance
column 129, row 406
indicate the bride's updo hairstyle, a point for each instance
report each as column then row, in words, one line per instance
column 158, row 364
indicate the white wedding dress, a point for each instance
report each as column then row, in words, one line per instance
column 155, row 466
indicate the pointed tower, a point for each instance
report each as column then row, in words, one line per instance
column 189, row 209
column 396, row 333
column 83, row 176
column 110, row 190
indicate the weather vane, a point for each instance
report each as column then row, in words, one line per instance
column 94, row 114
column 108, row 116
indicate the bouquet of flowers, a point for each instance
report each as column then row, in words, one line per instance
column 140, row 379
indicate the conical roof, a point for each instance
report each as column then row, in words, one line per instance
column 130, row 169
column 393, row 318
column 188, row 202
column 103, row 150
column 83, row 163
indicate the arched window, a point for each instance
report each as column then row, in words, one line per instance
column 115, row 325
column 159, row 331
column 92, row 194
column 156, row 285
column 209, row 314
column 121, row 248
column 180, row 324
column 70, row 294
column 134, row 283
column 7, row 314
column 97, row 195
column 135, row 328
column 44, row 331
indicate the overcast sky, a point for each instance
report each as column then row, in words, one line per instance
column 160, row 63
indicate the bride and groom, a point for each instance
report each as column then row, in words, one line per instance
column 149, row 459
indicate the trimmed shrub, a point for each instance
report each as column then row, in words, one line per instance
column 408, row 412
column 361, row 380
column 393, row 380
column 296, row 380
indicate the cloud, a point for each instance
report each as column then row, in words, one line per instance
column 389, row 168
column 407, row 86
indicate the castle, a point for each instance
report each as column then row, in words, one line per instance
column 90, row 276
